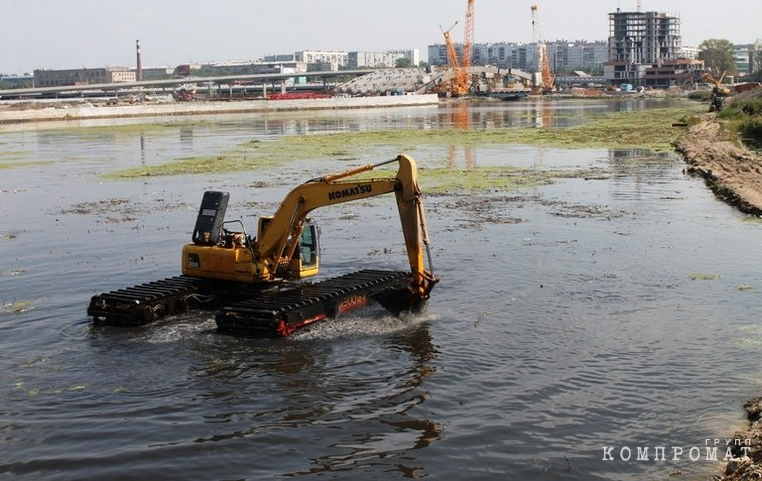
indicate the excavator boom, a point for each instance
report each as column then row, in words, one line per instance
column 274, row 245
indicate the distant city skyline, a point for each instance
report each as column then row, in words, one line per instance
column 48, row 34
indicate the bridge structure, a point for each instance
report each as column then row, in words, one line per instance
column 251, row 81
column 484, row 80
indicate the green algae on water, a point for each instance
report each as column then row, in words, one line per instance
column 649, row 129
column 18, row 307
column 703, row 277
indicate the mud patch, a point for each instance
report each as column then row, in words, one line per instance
column 560, row 208
column 479, row 210
column 118, row 210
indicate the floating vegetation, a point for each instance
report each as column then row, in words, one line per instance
column 444, row 180
column 15, row 165
column 703, row 277
column 12, row 272
column 744, row 288
column 649, row 129
column 18, row 307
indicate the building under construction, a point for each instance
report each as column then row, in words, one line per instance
column 645, row 49
column 643, row 37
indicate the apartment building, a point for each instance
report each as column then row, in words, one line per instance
column 382, row 59
column 322, row 59
column 564, row 55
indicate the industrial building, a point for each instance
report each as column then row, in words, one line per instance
column 83, row 76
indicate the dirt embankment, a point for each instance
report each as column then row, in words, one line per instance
column 733, row 172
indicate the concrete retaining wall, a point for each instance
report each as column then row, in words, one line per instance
column 203, row 107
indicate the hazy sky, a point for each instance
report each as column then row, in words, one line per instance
column 58, row 34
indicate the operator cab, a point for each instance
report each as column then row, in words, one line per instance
column 307, row 250
column 306, row 258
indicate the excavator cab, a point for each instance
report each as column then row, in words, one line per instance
column 305, row 260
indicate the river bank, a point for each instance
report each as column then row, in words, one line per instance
column 733, row 172
column 749, row 465
column 84, row 110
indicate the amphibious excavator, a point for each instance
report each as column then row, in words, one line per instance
column 255, row 283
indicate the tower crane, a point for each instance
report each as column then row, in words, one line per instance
column 546, row 77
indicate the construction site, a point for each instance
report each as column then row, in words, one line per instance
column 643, row 52
column 459, row 77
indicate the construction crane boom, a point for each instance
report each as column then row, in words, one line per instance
column 542, row 54
column 468, row 47
column 455, row 86
column 460, row 84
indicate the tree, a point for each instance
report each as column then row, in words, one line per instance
column 718, row 56
column 403, row 62
column 755, row 60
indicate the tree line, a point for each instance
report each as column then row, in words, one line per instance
column 719, row 58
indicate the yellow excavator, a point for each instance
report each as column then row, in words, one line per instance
column 252, row 281
column 719, row 91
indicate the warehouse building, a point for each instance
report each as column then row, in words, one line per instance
column 83, row 76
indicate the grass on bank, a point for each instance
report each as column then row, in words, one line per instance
column 744, row 118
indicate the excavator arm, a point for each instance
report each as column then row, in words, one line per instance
column 277, row 234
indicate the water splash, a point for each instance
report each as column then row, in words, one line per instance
column 370, row 322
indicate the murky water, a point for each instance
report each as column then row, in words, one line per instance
column 620, row 311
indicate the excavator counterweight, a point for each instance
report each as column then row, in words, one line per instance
column 255, row 283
